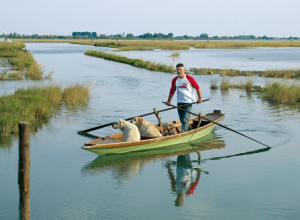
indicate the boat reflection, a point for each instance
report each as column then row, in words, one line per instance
column 128, row 164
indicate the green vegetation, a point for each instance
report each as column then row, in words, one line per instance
column 288, row 73
column 282, row 93
column 145, row 36
column 133, row 62
column 76, row 96
column 35, row 105
column 225, row 84
column 126, row 45
column 214, row 84
column 275, row 93
column 175, row 54
column 22, row 61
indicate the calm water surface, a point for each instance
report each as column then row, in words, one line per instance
column 232, row 181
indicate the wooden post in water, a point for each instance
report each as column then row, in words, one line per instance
column 24, row 170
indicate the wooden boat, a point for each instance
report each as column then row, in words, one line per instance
column 171, row 135
column 209, row 142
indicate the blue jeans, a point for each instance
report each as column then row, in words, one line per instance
column 184, row 116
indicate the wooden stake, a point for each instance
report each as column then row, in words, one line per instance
column 24, row 170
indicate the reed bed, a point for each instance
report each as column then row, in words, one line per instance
column 175, row 54
column 214, row 84
column 182, row 45
column 225, row 84
column 133, row 62
column 283, row 73
column 36, row 104
column 275, row 93
column 76, row 96
column 127, row 45
column 11, row 46
column 282, row 93
column 22, row 61
column 247, row 85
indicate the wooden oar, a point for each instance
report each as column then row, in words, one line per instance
column 106, row 125
column 218, row 124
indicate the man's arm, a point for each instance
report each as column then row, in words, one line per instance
column 169, row 99
column 199, row 96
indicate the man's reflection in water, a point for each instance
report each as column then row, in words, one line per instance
column 187, row 178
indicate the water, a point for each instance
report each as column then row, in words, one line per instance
column 70, row 183
column 241, row 59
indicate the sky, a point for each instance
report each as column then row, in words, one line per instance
column 273, row 18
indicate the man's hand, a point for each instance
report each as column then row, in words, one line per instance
column 199, row 100
column 168, row 103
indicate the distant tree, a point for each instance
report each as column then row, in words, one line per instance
column 103, row 36
column 146, row 36
column 129, row 36
column 118, row 36
column 203, row 36
column 94, row 34
column 170, row 35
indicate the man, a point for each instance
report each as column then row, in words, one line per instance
column 187, row 88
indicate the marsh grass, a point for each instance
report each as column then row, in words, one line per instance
column 76, row 96
column 175, row 54
column 11, row 46
column 36, row 105
column 247, row 85
column 214, row 84
column 282, row 93
column 275, row 93
column 21, row 60
column 182, row 45
column 128, row 45
column 283, row 73
column 133, row 62
column 225, row 83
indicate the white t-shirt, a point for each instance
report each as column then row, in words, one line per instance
column 186, row 89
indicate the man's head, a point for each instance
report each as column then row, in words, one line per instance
column 180, row 70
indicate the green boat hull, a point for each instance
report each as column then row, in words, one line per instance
column 153, row 145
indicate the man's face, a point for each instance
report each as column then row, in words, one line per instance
column 180, row 71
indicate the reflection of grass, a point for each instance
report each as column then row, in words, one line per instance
column 288, row 73
column 133, row 62
column 35, row 105
column 21, row 60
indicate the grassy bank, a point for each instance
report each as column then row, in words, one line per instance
column 275, row 93
column 133, row 62
column 35, row 105
column 23, row 63
column 288, row 73
column 126, row 45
